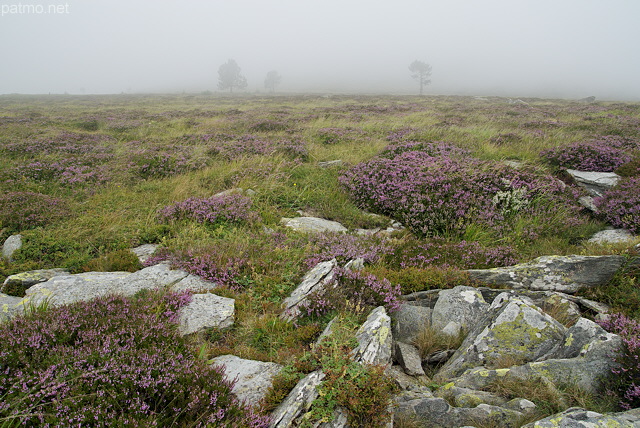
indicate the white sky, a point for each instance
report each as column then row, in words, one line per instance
column 547, row 48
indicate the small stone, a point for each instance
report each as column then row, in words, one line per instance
column 312, row 225
column 206, row 311
column 612, row 236
column 329, row 164
column 143, row 252
column 11, row 245
column 408, row 357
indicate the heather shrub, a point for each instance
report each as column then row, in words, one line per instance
column 230, row 147
column 27, row 210
column 620, row 205
column 215, row 210
column 628, row 371
column 152, row 164
column 439, row 191
column 111, row 361
column 587, row 156
column 342, row 247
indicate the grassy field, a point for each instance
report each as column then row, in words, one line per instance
column 83, row 178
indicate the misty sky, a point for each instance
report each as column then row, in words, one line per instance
column 516, row 48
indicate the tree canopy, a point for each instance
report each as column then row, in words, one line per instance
column 421, row 71
column 272, row 80
column 229, row 76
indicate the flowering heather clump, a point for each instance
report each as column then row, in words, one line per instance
column 332, row 135
column 628, row 370
column 355, row 289
column 27, row 210
column 66, row 142
column 247, row 145
column 587, row 156
column 111, row 361
column 437, row 189
column 150, row 164
column 78, row 171
column 233, row 208
column 327, row 246
column 620, row 205
column 215, row 267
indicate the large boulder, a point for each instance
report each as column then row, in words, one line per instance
column 312, row 224
column 321, row 276
column 408, row 321
column 11, row 245
column 566, row 274
column 206, row 311
column 9, row 306
column 252, row 378
column 457, row 309
column 596, row 183
column 516, row 330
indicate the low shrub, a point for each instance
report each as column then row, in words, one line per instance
column 587, row 156
column 629, row 169
column 111, row 361
column 27, row 210
column 620, row 205
column 215, row 210
column 411, row 279
column 628, row 371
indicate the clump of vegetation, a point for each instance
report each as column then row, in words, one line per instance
column 620, row 205
column 128, row 366
column 627, row 371
column 115, row 261
column 587, row 156
column 629, row 169
column 27, row 210
column 233, row 208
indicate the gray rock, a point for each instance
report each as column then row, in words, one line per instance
column 355, row 264
column 321, row 276
column 143, row 252
column 312, row 224
column 458, row 309
column 195, row 284
column 409, row 321
column 252, row 378
column 65, row 289
column 298, row 402
column 403, row 380
column 566, row 274
column 25, row 280
column 328, row 164
column 596, row 183
column 439, row 356
column 408, row 357
column 612, row 236
column 588, row 203
column 374, row 339
column 516, row 329
column 206, row 311
column 465, row 397
column 581, row 418
column 11, row 245
column 437, row 413
column 10, row 306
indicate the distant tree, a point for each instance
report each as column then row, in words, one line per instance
column 421, row 71
column 272, row 80
column 229, row 77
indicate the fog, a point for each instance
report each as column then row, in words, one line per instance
column 515, row 48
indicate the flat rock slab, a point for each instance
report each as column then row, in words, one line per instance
column 206, row 311
column 566, row 274
column 581, row 418
column 596, row 183
column 11, row 245
column 61, row 290
column 312, row 224
column 252, row 378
